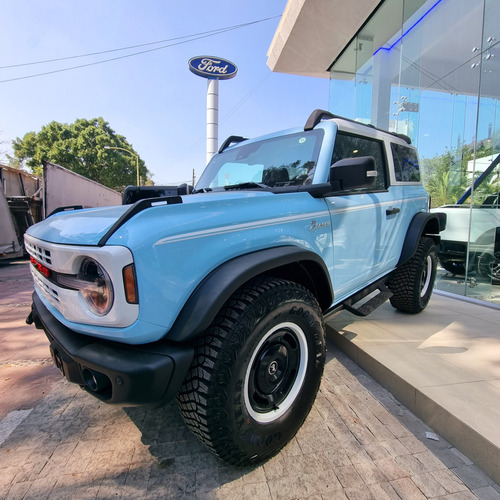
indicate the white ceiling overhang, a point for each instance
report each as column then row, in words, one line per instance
column 313, row 33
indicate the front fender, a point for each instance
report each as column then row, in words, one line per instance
column 212, row 293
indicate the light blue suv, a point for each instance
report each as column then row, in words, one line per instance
column 218, row 295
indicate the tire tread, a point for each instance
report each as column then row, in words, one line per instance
column 405, row 284
column 203, row 393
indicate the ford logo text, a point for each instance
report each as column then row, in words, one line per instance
column 212, row 67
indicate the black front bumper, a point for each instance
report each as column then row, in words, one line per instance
column 146, row 375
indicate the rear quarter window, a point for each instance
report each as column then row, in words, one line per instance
column 406, row 166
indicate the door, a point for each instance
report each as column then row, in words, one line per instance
column 365, row 222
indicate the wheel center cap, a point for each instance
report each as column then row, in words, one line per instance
column 273, row 368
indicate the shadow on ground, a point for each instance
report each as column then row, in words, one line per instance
column 357, row 441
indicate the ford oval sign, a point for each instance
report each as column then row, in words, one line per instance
column 212, row 67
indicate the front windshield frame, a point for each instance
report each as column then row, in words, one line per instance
column 275, row 162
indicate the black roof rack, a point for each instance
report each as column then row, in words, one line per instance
column 315, row 117
column 402, row 136
column 232, row 139
column 318, row 114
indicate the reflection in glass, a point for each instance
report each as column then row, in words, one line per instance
column 430, row 70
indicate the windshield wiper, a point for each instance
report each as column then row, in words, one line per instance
column 247, row 185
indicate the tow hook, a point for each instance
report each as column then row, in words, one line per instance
column 33, row 318
column 30, row 319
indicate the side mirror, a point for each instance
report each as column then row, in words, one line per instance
column 353, row 173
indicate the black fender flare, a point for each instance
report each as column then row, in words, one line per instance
column 422, row 224
column 217, row 287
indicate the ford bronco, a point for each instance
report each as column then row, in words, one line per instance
column 217, row 295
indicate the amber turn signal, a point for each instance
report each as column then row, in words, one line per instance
column 130, row 284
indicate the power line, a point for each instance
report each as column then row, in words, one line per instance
column 242, row 101
column 195, row 145
column 108, row 60
column 216, row 31
column 191, row 38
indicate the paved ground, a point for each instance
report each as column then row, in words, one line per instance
column 26, row 371
column 443, row 365
column 358, row 442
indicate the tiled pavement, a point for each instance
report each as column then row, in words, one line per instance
column 442, row 364
column 358, row 442
column 26, row 371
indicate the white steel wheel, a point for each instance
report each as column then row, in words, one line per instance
column 276, row 372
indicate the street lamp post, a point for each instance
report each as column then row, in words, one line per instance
column 129, row 152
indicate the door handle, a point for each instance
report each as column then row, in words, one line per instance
column 392, row 211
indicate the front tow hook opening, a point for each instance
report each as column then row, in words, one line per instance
column 96, row 382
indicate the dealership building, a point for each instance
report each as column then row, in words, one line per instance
column 430, row 70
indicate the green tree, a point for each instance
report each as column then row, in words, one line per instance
column 446, row 176
column 81, row 147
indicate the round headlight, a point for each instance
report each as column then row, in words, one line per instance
column 98, row 293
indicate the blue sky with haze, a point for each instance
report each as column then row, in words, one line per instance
column 152, row 99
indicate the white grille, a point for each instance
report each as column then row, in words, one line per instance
column 45, row 286
column 41, row 254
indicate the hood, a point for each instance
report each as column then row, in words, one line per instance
column 78, row 227
column 89, row 226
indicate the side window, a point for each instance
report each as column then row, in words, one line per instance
column 351, row 146
column 406, row 165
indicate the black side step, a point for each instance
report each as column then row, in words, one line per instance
column 370, row 305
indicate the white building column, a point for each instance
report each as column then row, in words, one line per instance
column 212, row 117
column 381, row 90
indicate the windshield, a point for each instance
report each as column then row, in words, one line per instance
column 287, row 160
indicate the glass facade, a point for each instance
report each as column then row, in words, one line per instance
column 429, row 69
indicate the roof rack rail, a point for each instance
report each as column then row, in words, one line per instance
column 318, row 114
column 402, row 136
column 232, row 139
column 315, row 117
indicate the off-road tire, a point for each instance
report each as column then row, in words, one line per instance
column 256, row 371
column 413, row 282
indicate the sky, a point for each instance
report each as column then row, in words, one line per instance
column 152, row 98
